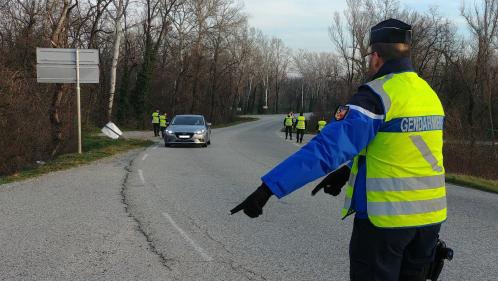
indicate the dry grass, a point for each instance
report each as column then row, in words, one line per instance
column 474, row 182
column 94, row 148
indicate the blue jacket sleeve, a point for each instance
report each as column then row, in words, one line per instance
column 337, row 143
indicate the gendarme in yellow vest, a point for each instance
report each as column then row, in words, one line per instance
column 321, row 124
column 301, row 123
column 162, row 120
column 288, row 121
column 155, row 118
column 405, row 184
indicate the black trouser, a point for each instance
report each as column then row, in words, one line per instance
column 380, row 254
column 162, row 131
column 299, row 132
column 156, row 129
column 288, row 131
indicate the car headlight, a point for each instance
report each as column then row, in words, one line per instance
column 169, row 132
column 200, row 132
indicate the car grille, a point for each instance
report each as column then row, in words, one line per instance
column 184, row 134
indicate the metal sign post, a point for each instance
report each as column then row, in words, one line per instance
column 302, row 97
column 78, row 99
column 68, row 66
column 266, row 94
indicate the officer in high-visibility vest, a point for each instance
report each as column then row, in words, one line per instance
column 162, row 123
column 386, row 148
column 300, row 127
column 155, row 122
column 288, row 122
column 321, row 124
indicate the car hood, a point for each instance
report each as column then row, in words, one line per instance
column 185, row 128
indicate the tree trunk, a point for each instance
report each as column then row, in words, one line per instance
column 55, row 119
column 115, row 57
column 59, row 39
column 195, row 83
column 214, row 77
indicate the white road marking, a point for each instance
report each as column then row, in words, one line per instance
column 145, row 156
column 141, row 175
column 201, row 251
column 154, row 147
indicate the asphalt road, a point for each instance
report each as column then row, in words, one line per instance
column 163, row 214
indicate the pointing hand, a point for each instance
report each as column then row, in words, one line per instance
column 254, row 203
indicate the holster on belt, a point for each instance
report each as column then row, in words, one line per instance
column 442, row 252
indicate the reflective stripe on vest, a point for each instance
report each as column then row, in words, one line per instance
column 405, row 184
column 301, row 123
column 321, row 125
column 406, row 208
column 155, row 117
column 288, row 121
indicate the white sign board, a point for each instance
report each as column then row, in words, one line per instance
column 54, row 73
column 112, row 131
column 69, row 66
column 66, row 56
column 59, row 65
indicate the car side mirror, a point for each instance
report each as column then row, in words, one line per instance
column 209, row 124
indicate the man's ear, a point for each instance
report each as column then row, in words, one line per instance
column 379, row 62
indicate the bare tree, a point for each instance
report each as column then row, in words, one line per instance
column 58, row 39
column 483, row 22
column 120, row 6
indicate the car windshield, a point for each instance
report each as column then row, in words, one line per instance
column 188, row 120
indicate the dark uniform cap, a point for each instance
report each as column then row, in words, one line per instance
column 391, row 31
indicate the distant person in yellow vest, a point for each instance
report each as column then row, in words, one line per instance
column 163, row 119
column 155, row 122
column 321, row 124
column 288, row 122
column 300, row 127
column 385, row 148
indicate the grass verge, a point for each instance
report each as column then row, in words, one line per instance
column 94, row 148
column 474, row 182
column 238, row 120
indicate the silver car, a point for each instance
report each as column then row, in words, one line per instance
column 188, row 129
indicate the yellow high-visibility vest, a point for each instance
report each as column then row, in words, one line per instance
column 288, row 121
column 155, row 118
column 301, row 124
column 405, row 184
column 162, row 120
column 321, row 124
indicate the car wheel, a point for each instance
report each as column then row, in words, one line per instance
column 209, row 142
column 204, row 145
column 166, row 144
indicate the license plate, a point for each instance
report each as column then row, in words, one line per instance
column 184, row 137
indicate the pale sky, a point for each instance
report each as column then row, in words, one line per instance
column 303, row 24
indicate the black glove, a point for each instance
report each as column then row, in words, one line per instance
column 253, row 205
column 333, row 183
